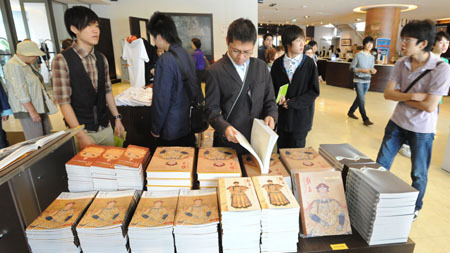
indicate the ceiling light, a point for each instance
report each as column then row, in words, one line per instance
column 304, row 6
column 403, row 7
column 294, row 20
column 306, row 16
column 357, row 20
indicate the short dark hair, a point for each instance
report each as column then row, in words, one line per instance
column 267, row 35
column 243, row 30
column 422, row 30
column 441, row 35
column 162, row 24
column 291, row 33
column 368, row 39
column 66, row 43
column 197, row 42
column 79, row 17
column 306, row 48
column 312, row 43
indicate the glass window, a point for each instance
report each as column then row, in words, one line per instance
column 18, row 20
column 5, row 49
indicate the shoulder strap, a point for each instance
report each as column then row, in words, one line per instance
column 420, row 77
column 244, row 88
column 183, row 75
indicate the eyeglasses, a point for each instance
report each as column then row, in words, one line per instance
column 407, row 40
column 239, row 52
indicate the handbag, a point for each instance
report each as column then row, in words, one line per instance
column 52, row 109
column 198, row 119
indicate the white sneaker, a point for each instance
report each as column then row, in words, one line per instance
column 405, row 150
column 416, row 214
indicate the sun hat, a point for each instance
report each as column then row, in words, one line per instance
column 29, row 48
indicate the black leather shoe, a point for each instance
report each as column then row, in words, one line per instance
column 351, row 115
column 367, row 122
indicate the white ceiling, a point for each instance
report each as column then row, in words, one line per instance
column 341, row 11
column 84, row 1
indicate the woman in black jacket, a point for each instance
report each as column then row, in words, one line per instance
column 296, row 108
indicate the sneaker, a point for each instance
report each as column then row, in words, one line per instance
column 367, row 122
column 351, row 115
column 405, row 150
column 416, row 214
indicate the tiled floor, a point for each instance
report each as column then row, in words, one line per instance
column 431, row 231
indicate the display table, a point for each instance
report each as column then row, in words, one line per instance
column 28, row 186
column 339, row 75
column 355, row 243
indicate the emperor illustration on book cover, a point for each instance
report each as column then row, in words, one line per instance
column 154, row 212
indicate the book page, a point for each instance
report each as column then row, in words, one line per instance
column 244, row 143
column 262, row 140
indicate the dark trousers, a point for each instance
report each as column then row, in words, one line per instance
column 291, row 140
column 186, row 141
column 200, row 75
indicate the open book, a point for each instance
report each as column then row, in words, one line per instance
column 19, row 150
column 263, row 140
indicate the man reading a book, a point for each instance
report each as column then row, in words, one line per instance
column 296, row 106
column 239, row 88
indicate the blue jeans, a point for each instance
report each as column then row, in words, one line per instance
column 421, row 146
column 361, row 90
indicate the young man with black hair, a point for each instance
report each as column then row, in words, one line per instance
column 239, row 88
column 81, row 82
column 363, row 69
column 313, row 45
column 296, row 109
column 415, row 116
column 267, row 43
column 441, row 44
column 170, row 104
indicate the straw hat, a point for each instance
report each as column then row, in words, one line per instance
column 29, row 48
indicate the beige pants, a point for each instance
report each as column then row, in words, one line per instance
column 104, row 137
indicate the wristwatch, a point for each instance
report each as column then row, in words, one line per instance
column 118, row 116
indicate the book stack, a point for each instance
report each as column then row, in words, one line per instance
column 214, row 163
column 341, row 154
column 103, row 171
column 279, row 215
column 53, row 230
column 151, row 227
column 79, row 168
column 240, row 215
column 323, row 206
column 196, row 221
column 104, row 226
column 276, row 168
column 171, row 168
column 130, row 168
column 381, row 206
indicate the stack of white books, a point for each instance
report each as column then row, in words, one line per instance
column 103, row 171
column 240, row 215
column 151, row 227
column 196, row 221
column 381, row 205
column 104, row 226
column 53, row 230
column 79, row 168
column 130, row 168
column 279, row 215
column 171, row 168
column 215, row 163
column 135, row 96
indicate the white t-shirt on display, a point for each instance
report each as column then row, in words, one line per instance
column 136, row 56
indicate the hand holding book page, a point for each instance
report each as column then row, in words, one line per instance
column 263, row 140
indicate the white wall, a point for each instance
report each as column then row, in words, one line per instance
column 223, row 13
column 323, row 36
column 350, row 34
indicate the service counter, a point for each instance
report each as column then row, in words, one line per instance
column 338, row 74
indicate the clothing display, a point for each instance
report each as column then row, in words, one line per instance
column 136, row 55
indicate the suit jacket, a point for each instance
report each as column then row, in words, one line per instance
column 222, row 89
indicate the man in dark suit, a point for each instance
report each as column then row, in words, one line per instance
column 239, row 88
column 267, row 43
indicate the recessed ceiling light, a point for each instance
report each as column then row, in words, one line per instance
column 304, row 6
column 358, row 19
column 294, row 20
column 306, row 16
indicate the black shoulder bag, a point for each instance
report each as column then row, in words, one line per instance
column 198, row 119
column 420, row 77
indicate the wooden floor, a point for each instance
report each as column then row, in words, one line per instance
column 431, row 231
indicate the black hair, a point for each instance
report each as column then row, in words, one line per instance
column 243, row 30
column 312, row 43
column 368, row 39
column 267, row 35
column 162, row 24
column 79, row 17
column 197, row 43
column 440, row 35
column 291, row 33
column 422, row 30
column 306, row 48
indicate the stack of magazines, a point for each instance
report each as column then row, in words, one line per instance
column 130, row 168
column 341, row 154
column 381, row 205
column 103, row 171
column 151, row 227
column 240, row 215
column 53, row 230
column 135, row 96
column 196, row 221
column 279, row 215
column 104, row 226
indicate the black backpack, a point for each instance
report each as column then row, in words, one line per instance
column 198, row 119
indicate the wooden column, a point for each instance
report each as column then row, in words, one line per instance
column 383, row 22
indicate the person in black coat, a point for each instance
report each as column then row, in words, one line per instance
column 296, row 109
